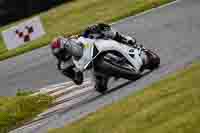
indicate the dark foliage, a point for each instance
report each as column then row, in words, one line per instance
column 12, row 10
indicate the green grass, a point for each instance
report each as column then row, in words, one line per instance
column 16, row 110
column 169, row 106
column 24, row 92
column 72, row 17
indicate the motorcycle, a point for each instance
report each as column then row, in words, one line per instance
column 109, row 58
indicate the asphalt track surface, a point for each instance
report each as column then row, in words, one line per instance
column 173, row 31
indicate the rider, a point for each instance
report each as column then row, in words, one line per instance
column 64, row 48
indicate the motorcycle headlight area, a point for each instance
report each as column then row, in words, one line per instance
column 132, row 53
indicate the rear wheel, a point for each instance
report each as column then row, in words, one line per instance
column 154, row 60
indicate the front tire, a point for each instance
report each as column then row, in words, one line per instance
column 101, row 84
column 78, row 78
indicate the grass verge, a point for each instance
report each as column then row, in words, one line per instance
column 73, row 17
column 16, row 110
column 169, row 106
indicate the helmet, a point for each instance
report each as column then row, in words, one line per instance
column 96, row 31
column 106, row 30
column 58, row 49
column 104, row 27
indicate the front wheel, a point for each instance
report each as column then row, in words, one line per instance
column 78, row 78
column 101, row 84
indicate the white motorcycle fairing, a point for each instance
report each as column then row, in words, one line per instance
column 131, row 54
column 87, row 57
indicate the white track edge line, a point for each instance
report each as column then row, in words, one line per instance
column 146, row 12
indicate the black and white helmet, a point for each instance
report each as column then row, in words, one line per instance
column 100, row 30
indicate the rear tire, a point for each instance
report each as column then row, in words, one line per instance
column 154, row 60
